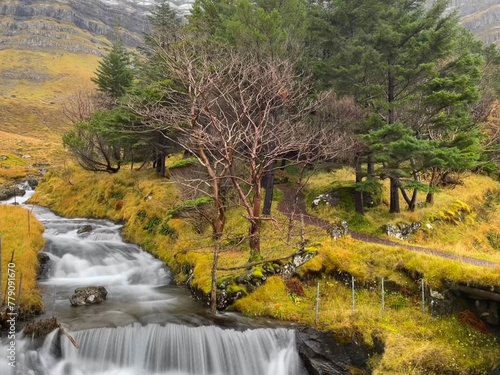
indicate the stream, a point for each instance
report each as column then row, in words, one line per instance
column 146, row 326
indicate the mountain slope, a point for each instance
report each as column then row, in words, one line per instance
column 482, row 17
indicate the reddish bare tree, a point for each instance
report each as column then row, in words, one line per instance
column 238, row 115
column 81, row 105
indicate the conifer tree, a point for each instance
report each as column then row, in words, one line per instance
column 399, row 60
column 114, row 74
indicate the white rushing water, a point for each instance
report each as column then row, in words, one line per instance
column 146, row 326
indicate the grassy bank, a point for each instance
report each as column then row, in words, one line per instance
column 416, row 343
column 464, row 220
column 24, row 241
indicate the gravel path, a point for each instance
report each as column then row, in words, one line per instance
column 286, row 207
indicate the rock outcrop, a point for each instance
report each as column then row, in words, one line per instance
column 323, row 354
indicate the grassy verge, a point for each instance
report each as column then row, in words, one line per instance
column 464, row 220
column 412, row 338
column 25, row 242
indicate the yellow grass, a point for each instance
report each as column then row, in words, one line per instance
column 31, row 105
column 415, row 342
column 25, row 242
column 466, row 238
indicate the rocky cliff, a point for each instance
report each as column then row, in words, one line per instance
column 482, row 17
column 69, row 25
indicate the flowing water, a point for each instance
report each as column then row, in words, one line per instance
column 146, row 326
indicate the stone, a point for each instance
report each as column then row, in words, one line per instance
column 85, row 229
column 43, row 261
column 88, row 296
column 297, row 260
column 322, row 354
column 8, row 192
column 338, row 230
column 401, row 231
column 4, row 157
column 32, row 183
column 441, row 303
column 328, row 199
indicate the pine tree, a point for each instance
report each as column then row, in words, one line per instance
column 114, row 74
column 399, row 60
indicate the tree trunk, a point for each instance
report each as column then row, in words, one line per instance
column 358, row 195
column 429, row 198
column 412, row 203
column 394, row 196
column 254, row 230
column 213, row 291
column 268, row 184
column 433, row 182
column 370, row 167
column 160, row 163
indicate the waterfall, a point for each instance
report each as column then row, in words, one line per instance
column 175, row 350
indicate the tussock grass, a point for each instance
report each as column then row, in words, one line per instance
column 415, row 342
column 25, row 244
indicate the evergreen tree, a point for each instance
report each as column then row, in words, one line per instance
column 399, row 60
column 114, row 74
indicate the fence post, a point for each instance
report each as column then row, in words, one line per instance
column 317, row 307
column 383, row 295
column 19, row 292
column 423, row 295
column 353, row 295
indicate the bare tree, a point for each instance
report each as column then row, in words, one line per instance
column 83, row 104
column 237, row 116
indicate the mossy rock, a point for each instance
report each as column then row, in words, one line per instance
column 235, row 288
column 258, row 272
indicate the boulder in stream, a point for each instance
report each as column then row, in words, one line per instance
column 88, row 295
column 85, row 229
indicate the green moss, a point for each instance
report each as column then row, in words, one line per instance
column 235, row 288
column 258, row 272
column 183, row 163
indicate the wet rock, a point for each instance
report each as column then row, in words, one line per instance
column 40, row 328
column 323, row 354
column 401, row 231
column 85, row 229
column 8, row 192
column 88, row 296
column 43, row 261
column 32, row 183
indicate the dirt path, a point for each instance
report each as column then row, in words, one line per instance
column 286, row 207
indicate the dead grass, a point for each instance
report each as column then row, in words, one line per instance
column 25, row 242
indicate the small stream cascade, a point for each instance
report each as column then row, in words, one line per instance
column 172, row 349
column 146, row 325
